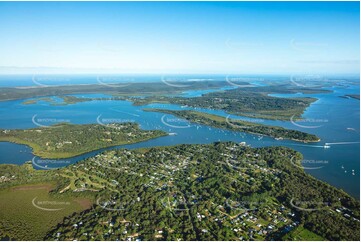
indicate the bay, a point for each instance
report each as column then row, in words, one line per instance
column 332, row 117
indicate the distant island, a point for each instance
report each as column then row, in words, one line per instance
column 240, row 126
column 246, row 100
column 355, row 96
column 67, row 140
column 250, row 102
column 65, row 100
column 117, row 89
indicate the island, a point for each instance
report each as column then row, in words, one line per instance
column 116, row 89
column 239, row 125
column 243, row 100
column 65, row 100
column 37, row 100
column 66, row 140
column 249, row 102
column 354, row 96
column 218, row 191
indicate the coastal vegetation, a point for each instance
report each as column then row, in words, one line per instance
column 65, row 100
column 241, row 102
column 239, row 125
column 117, row 89
column 67, row 140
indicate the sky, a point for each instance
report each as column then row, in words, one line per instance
column 180, row 37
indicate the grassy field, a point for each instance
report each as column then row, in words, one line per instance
column 301, row 233
column 29, row 211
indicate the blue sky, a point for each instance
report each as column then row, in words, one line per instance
column 188, row 37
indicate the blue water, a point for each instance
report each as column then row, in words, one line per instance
column 332, row 118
